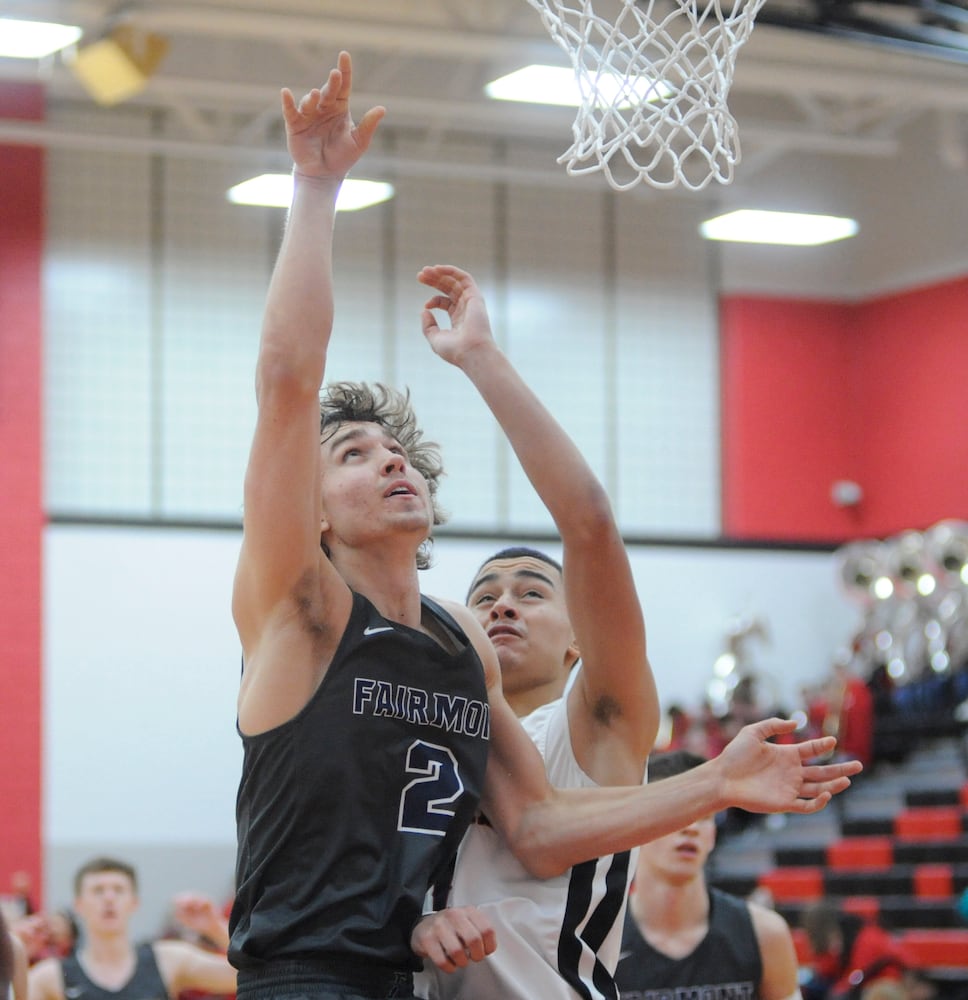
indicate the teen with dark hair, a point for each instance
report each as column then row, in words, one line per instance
column 685, row 938
column 109, row 965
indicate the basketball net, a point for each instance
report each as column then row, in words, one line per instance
column 654, row 80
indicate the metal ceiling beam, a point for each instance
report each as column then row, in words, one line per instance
column 59, row 137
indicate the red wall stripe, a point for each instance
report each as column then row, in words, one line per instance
column 21, row 518
column 813, row 392
column 787, row 377
column 913, row 396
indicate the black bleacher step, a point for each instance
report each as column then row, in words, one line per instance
column 895, row 913
column 800, row 856
column 867, row 826
column 895, row 881
column 899, row 880
column 922, row 852
column 926, row 852
column 917, row 797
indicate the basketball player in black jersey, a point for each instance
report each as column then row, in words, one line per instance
column 108, row 965
column 684, row 938
column 372, row 717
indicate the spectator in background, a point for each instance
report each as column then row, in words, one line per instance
column 47, row 935
column 683, row 938
column 22, row 892
column 62, row 933
column 679, row 722
column 847, row 953
column 847, row 706
column 197, row 920
column 13, row 964
column 110, row 964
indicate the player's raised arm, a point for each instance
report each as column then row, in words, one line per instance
column 281, row 565
column 613, row 705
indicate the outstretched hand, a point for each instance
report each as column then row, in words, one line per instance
column 461, row 299
column 198, row 913
column 454, row 937
column 764, row 777
column 322, row 138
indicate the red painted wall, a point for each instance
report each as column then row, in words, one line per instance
column 21, row 519
column 788, row 370
column 816, row 392
column 913, row 403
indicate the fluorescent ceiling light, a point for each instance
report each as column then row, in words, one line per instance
column 559, row 85
column 275, row 190
column 34, row 39
column 788, row 228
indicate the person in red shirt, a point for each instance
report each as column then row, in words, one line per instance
column 848, row 953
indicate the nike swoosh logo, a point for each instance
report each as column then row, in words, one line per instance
column 373, row 629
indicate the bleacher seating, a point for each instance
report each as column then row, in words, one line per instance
column 894, row 850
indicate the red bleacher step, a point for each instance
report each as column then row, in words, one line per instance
column 793, row 884
column 936, row 948
column 933, row 882
column 861, row 852
column 929, row 823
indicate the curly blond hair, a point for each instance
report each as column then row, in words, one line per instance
column 360, row 402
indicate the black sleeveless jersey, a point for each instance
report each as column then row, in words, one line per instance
column 145, row 982
column 726, row 965
column 347, row 812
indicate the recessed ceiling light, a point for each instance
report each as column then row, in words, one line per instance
column 275, row 190
column 34, row 39
column 559, row 85
column 786, row 228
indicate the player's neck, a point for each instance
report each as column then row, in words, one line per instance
column 670, row 907
column 106, row 952
column 527, row 700
column 391, row 585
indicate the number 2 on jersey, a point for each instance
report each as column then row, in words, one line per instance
column 426, row 804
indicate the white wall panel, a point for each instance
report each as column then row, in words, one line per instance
column 141, row 671
column 97, row 344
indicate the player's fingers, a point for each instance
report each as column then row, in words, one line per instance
column 289, row 108
column 439, row 302
column 442, row 944
column 772, row 726
column 811, row 805
column 819, row 747
column 331, row 89
column 830, row 772
column 442, row 277
column 834, row 785
column 345, row 64
column 475, row 932
column 486, row 935
column 428, row 323
column 441, row 959
column 368, row 125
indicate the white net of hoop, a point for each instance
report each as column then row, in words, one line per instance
column 654, row 79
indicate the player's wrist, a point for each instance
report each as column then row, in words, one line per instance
column 479, row 359
column 326, row 182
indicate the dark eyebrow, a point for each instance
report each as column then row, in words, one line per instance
column 349, row 435
column 529, row 574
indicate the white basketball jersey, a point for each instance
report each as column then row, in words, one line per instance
column 558, row 938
